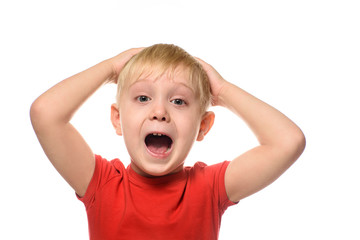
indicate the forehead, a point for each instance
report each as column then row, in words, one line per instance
column 178, row 74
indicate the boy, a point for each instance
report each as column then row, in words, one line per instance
column 161, row 109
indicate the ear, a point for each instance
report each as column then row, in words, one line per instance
column 206, row 124
column 115, row 119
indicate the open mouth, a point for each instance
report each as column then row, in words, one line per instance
column 158, row 144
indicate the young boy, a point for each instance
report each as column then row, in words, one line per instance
column 161, row 109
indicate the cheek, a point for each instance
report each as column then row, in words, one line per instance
column 188, row 126
column 130, row 120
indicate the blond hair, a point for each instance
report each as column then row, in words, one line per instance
column 165, row 58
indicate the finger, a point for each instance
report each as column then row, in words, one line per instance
column 136, row 50
column 202, row 62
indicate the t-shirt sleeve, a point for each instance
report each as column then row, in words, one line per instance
column 104, row 171
column 218, row 173
column 224, row 199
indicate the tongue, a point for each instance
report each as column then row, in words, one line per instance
column 158, row 144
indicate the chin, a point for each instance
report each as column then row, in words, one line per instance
column 157, row 170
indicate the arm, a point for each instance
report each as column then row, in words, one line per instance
column 281, row 142
column 51, row 114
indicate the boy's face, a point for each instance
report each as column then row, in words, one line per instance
column 160, row 119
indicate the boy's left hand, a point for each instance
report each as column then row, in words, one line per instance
column 217, row 82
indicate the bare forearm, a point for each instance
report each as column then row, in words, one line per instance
column 61, row 101
column 269, row 125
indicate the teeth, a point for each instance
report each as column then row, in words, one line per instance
column 157, row 134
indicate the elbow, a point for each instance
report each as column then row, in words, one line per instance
column 296, row 144
column 39, row 114
column 36, row 112
column 302, row 142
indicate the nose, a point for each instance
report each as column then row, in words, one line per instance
column 160, row 113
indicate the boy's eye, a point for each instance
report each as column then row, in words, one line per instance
column 178, row 102
column 143, row 98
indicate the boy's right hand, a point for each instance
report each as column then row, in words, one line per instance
column 118, row 62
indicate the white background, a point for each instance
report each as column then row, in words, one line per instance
column 303, row 57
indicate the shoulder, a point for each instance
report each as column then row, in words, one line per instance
column 212, row 177
column 105, row 169
column 116, row 164
column 212, row 174
column 210, row 169
column 101, row 162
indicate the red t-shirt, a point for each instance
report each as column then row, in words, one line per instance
column 122, row 204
